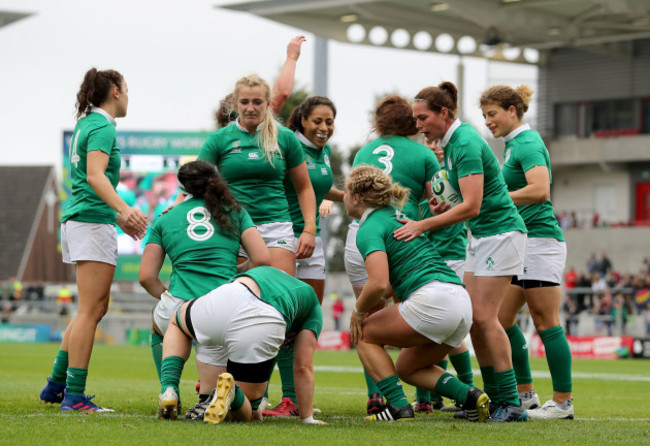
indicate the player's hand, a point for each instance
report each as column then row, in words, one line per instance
column 311, row 420
column 133, row 222
column 437, row 208
column 325, row 208
column 356, row 332
column 293, row 49
column 409, row 231
column 306, row 245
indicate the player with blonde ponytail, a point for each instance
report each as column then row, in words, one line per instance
column 435, row 312
column 254, row 154
column 527, row 173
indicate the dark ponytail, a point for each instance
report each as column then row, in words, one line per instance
column 95, row 88
column 201, row 179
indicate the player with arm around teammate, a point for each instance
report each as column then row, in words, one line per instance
column 250, row 318
column 202, row 236
column 497, row 243
column 435, row 313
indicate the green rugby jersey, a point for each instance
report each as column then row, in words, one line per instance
column 411, row 265
column 466, row 152
column 96, row 131
column 525, row 150
column 321, row 177
column 203, row 256
column 293, row 298
column 407, row 162
column 450, row 242
column 256, row 183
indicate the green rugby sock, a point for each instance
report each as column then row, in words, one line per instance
column 239, row 399
column 452, row 388
column 285, row 364
column 422, row 395
column 370, row 384
column 463, row 365
column 391, row 388
column 60, row 367
column 76, row 380
column 171, row 370
column 558, row 356
column 507, row 386
column 443, row 364
column 156, row 351
column 520, row 361
column 489, row 384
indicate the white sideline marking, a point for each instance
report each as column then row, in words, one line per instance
column 607, row 376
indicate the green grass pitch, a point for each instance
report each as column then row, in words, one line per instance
column 611, row 399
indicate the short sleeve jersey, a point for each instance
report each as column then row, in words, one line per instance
column 293, row 298
column 523, row 152
column 203, row 255
column 450, row 242
column 321, row 177
column 467, row 153
column 92, row 132
column 407, row 162
column 257, row 183
column 411, row 265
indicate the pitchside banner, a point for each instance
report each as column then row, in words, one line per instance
column 150, row 161
column 589, row 347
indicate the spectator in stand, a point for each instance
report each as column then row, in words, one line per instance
column 15, row 289
column 337, row 310
column 584, row 281
column 570, row 310
column 604, row 264
column 570, row 278
column 592, row 263
column 603, row 311
column 619, row 314
column 647, row 320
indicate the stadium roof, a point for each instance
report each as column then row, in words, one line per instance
column 8, row 17
column 512, row 30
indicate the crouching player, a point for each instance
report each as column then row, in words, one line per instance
column 435, row 313
column 249, row 319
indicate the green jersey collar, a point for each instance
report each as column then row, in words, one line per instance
column 104, row 113
column 515, row 132
column 450, row 132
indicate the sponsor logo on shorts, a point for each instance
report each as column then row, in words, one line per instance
column 282, row 242
column 525, row 270
column 490, row 263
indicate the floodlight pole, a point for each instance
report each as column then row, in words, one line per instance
column 321, row 62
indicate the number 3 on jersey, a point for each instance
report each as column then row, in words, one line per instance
column 203, row 222
column 386, row 159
